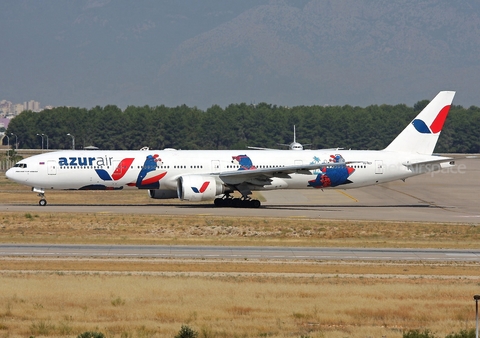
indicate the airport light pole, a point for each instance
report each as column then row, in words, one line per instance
column 9, row 153
column 41, row 135
column 47, row 139
column 73, row 140
column 476, row 298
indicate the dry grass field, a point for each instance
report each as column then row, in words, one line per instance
column 154, row 305
column 219, row 298
column 41, row 226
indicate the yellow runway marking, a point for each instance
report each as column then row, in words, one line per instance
column 345, row 194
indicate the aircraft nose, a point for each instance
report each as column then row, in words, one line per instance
column 9, row 173
column 12, row 175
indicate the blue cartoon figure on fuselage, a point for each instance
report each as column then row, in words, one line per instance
column 149, row 165
column 245, row 162
column 332, row 176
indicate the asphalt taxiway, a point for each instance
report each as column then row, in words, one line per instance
column 445, row 196
column 237, row 252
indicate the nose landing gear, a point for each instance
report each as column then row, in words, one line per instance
column 41, row 194
column 42, row 202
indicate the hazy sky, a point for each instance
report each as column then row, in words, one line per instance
column 149, row 52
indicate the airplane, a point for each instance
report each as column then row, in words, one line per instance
column 292, row 146
column 202, row 175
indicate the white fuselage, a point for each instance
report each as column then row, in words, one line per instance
column 105, row 169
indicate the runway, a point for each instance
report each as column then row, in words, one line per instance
column 237, row 252
column 445, row 196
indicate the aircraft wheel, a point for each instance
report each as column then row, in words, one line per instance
column 218, row 202
column 256, row 204
column 42, row 202
column 245, row 204
column 236, row 203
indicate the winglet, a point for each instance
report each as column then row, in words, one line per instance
column 422, row 134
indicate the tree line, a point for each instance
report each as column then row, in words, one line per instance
column 236, row 127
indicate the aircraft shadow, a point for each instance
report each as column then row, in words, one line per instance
column 268, row 206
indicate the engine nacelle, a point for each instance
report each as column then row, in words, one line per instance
column 162, row 194
column 196, row 188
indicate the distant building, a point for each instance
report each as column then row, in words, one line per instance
column 10, row 110
column 4, row 122
column 18, row 108
column 32, row 105
column 5, row 107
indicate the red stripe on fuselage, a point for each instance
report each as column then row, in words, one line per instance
column 153, row 179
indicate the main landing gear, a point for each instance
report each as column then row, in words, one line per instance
column 228, row 201
column 244, row 202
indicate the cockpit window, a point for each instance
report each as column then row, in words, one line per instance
column 20, row 165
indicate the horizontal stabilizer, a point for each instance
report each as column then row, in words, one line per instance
column 451, row 161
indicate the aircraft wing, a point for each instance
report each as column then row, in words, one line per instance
column 261, row 175
column 259, row 148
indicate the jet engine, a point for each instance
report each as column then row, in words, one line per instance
column 162, row 194
column 196, row 188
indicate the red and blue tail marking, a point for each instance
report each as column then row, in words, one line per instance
column 436, row 125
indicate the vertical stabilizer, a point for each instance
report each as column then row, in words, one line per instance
column 421, row 135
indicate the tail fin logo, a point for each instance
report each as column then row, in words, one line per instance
column 436, row 125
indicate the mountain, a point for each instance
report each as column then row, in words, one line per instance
column 201, row 53
column 333, row 52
